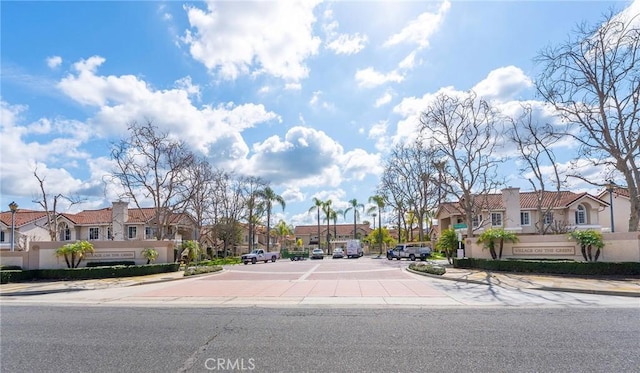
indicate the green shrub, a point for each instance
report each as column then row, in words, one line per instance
column 7, row 276
column 588, row 240
column 112, row 263
column 190, row 271
column 150, row 254
column 10, row 268
column 220, row 261
column 430, row 268
column 568, row 267
column 74, row 252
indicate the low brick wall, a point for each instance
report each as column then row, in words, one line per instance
column 41, row 254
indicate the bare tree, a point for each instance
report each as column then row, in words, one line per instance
column 409, row 183
column 593, row 81
column 228, row 209
column 151, row 165
column 199, row 194
column 49, row 203
column 535, row 147
column 463, row 131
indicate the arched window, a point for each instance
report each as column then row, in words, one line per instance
column 64, row 232
column 581, row 215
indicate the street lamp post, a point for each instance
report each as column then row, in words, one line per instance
column 610, row 186
column 13, row 207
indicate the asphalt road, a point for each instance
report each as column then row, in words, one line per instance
column 153, row 339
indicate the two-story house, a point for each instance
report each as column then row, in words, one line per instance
column 116, row 223
column 526, row 212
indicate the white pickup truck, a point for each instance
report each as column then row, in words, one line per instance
column 411, row 251
column 259, row 255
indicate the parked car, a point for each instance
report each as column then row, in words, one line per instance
column 317, row 254
column 338, row 253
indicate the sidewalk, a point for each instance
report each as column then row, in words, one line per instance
column 48, row 287
column 629, row 287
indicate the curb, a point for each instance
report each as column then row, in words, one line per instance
column 596, row 292
column 442, row 277
column 543, row 288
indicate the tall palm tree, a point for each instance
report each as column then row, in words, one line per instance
column 326, row 208
column 378, row 200
column 317, row 205
column 354, row 205
column 267, row 198
column 334, row 217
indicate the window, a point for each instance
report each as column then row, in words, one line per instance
column 496, row 219
column 150, row 232
column 2, row 236
column 94, row 233
column 581, row 215
column 477, row 219
column 133, row 232
column 525, row 218
column 65, row 232
column 109, row 234
column 548, row 218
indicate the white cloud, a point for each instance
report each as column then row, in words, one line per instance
column 23, row 151
column 421, row 29
column 369, row 77
column 348, row 44
column 237, row 38
column 503, row 84
column 54, row 61
column 123, row 99
column 384, row 99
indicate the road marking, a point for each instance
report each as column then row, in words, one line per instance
column 308, row 273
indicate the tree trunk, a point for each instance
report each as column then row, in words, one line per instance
column 583, row 249
column 492, row 250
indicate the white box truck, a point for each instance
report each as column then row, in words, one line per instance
column 354, row 249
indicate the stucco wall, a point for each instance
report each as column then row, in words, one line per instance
column 619, row 247
column 42, row 254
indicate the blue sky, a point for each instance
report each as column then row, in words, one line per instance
column 311, row 96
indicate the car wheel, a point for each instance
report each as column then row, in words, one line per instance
column 389, row 257
column 253, row 261
column 412, row 257
column 245, row 263
column 273, row 259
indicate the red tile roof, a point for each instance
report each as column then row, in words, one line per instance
column 22, row 217
column 528, row 201
column 87, row 217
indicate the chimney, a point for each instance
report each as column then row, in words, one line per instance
column 511, row 202
column 119, row 216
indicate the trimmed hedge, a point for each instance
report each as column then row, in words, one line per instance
column 112, row 263
column 567, row 267
column 12, row 275
column 87, row 273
